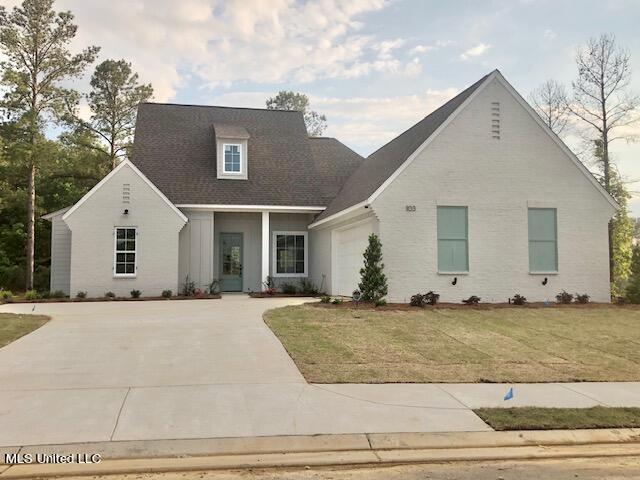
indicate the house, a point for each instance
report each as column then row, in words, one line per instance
column 478, row 198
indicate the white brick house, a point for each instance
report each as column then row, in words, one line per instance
column 478, row 198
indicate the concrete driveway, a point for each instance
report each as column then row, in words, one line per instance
column 187, row 369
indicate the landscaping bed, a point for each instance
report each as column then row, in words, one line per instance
column 450, row 344
column 280, row 295
column 534, row 418
column 13, row 326
column 22, row 299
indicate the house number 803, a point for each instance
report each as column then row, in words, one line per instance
column 410, row 208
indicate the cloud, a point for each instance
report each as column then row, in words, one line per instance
column 423, row 48
column 549, row 35
column 476, row 51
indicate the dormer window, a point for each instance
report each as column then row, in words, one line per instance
column 232, row 158
column 232, row 149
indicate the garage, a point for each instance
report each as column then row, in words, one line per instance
column 349, row 245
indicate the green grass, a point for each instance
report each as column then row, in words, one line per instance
column 534, row 418
column 13, row 326
column 555, row 344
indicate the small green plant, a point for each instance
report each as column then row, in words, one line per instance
column 167, row 294
column 472, row 300
column 289, row 288
column 31, row 295
column 418, row 300
column 110, row 295
column 325, row 299
column 380, row 302
column 46, row 294
column 518, row 300
column 584, row 298
column 307, row 287
column 269, row 285
column 135, row 293
column 564, row 297
column 432, row 297
column 336, row 301
column 6, row 295
column 373, row 282
column 188, row 287
column 57, row 294
column 81, row 294
column 214, row 287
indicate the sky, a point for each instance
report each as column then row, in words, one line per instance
column 373, row 67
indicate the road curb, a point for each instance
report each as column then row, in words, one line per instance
column 328, row 450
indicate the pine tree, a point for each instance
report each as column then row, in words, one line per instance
column 373, row 282
column 633, row 288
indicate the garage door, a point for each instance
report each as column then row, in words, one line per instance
column 349, row 246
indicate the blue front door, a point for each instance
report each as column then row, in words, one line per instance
column 231, row 262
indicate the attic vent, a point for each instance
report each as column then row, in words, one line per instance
column 495, row 120
column 126, row 193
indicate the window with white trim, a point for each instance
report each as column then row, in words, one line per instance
column 543, row 240
column 290, row 254
column 232, row 158
column 126, row 253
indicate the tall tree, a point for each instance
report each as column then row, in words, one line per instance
column 622, row 237
column 550, row 102
column 603, row 101
column 35, row 40
column 113, row 100
column 287, row 100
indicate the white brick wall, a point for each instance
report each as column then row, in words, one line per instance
column 497, row 180
column 92, row 240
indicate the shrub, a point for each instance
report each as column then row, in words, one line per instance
column 356, row 295
column 41, row 276
column 418, row 300
column 110, row 295
column 135, row 293
column 188, row 287
column 336, row 301
column 31, row 295
column 584, row 298
column 307, row 287
column 57, row 294
column 198, row 292
column 289, row 288
column 380, row 302
column 633, row 288
column 12, row 277
column 46, row 294
column 81, row 294
column 518, row 299
column 564, row 297
column 431, row 297
column 373, row 282
column 214, row 287
column 472, row 300
column 167, row 293
column 6, row 295
column 325, row 299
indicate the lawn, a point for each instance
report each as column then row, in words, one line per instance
column 13, row 326
column 533, row 418
column 515, row 344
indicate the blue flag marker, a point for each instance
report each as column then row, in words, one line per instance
column 509, row 394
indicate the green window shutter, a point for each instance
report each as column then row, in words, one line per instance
column 453, row 254
column 543, row 240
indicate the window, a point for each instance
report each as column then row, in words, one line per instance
column 125, row 252
column 232, row 158
column 290, row 254
column 453, row 256
column 543, row 240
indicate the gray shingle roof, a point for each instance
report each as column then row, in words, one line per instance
column 381, row 164
column 224, row 130
column 175, row 148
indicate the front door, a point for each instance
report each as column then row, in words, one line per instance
column 231, row 262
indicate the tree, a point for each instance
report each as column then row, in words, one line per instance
column 633, row 288
column 550, row 102
column 113, row 100
column 603, row 102
column 373, row 282
column 622, row 237
column 35, row 39
column 286, row 100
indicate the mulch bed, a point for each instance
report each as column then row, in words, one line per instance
column 280, row 295
column 351, row 305
column 104, row 299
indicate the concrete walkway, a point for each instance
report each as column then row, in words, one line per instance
column 211, row 368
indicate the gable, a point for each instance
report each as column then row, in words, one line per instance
column 124, row 187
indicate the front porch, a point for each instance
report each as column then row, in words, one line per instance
column 241, row 248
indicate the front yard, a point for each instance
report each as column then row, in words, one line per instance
column 515, row 344
column 13, row 326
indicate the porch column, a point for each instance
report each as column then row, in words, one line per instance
column 265, row 246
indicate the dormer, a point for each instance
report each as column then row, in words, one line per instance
column 232, row 142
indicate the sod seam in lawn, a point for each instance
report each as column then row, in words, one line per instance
column 13, row 326
column 511, row 345
column 534, row 418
